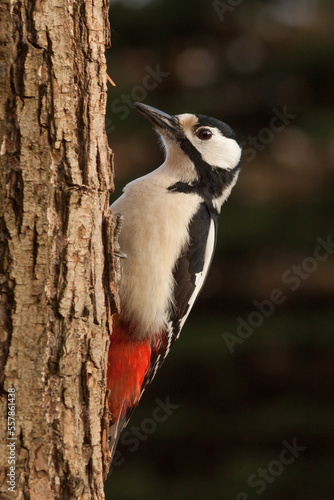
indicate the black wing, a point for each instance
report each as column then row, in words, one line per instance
column 189, row 274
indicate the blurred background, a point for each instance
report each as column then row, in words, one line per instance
column 252, row 374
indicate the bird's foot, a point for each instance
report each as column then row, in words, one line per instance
column 118, row 223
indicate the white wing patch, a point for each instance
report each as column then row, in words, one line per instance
column 198, row 278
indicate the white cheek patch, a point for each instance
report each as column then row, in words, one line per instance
column 219, row 151
column 222, row 152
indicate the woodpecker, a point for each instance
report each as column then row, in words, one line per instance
column 169, row 236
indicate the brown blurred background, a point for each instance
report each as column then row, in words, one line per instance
column 245, row 393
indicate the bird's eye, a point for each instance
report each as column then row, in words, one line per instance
column 204, row 134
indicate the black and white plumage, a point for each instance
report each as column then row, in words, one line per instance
column 169, row 236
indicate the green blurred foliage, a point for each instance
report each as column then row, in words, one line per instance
column 235, row 409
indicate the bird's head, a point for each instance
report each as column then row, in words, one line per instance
column 207, row 148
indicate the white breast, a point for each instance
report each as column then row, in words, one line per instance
column 153, row 235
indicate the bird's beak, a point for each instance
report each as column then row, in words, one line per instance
column 162, row 121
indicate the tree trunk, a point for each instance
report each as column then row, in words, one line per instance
column 56, row 267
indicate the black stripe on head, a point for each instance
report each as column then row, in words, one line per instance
column 207, row 121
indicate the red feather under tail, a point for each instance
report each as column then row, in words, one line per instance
column 128, row 362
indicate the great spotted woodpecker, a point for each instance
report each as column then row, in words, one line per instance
column 169, row 236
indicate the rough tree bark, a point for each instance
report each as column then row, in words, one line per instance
column 56, row 266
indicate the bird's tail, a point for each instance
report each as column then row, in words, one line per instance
column 115, row 432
